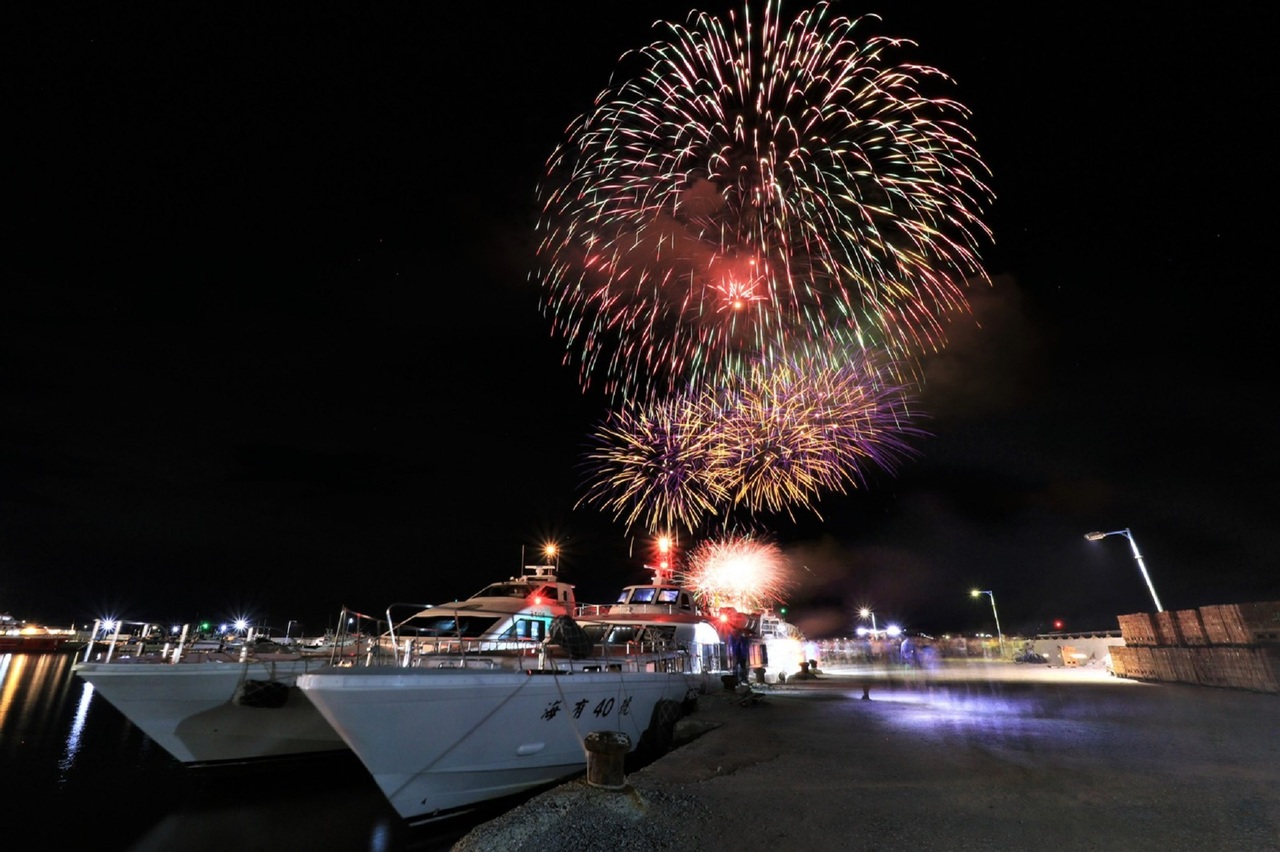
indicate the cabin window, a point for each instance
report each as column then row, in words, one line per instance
column 668, row 596
column 643, row 595
column 464, row 627
column 622, row 635
column 529, row 628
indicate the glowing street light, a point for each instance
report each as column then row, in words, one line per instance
column 1098, row 536
column 973, row 593
column 866, row 612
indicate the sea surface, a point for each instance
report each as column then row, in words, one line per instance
column 74, row 773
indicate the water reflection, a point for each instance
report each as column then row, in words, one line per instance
column 33, row 690
column 66, row 751
column 77, row 728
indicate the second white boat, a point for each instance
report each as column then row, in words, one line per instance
column 438, row 741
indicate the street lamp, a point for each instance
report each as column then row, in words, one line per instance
column 1098, row 536
column 866, row 612
column 973, row 593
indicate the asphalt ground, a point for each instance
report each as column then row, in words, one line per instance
column 968, row 756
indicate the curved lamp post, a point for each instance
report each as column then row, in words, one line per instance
column 973, row 593
column 1098, row 536
column 867, row 612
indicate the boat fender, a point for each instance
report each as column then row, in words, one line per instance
column 262, row 693
column 659, row 737
column 568, row 634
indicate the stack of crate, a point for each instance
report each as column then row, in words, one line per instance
column 1229, row 645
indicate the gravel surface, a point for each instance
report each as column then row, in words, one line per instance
column 995, row 756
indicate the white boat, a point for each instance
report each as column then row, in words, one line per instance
column 442, row 734
column 661, row 613
column 209, row 704
column 777, row 648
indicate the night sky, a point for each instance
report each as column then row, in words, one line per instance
column 268, row 344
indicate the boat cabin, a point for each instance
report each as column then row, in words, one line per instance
column 538, row 584
column 517, row 610
column 655, row 598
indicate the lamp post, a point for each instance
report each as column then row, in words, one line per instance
column 866, row 612
column 1098, row 536
column 973, row 593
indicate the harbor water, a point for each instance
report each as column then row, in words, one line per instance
column 74, row 773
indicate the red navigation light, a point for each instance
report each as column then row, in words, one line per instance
column 1058, row 624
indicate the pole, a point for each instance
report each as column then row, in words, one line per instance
column 999, row 635
column 93, row 638
column 1143, row 568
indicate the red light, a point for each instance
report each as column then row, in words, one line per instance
column 1057, row 624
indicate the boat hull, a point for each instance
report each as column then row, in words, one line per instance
column 438, row 741
column 210, row 713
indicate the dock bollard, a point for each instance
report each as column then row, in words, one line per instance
column 606, row 758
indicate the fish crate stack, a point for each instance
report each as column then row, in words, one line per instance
column 1236, row 646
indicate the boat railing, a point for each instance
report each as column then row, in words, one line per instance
column 448, row 652
column 631, row 655
column 601, row 610
column 530, row 655
column 135, row 641
column 120, row 640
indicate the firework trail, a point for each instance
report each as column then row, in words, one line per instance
column 749, row 183
column 738, row 571
column 768, row 442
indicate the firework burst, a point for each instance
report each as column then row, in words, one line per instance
column 752, row 182
column 653, row 465
column 769, row 442
column 739, row 571
column 803, row 429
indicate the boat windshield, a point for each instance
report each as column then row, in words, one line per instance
column 461, row 626
column 643, row 595
column 505, row 590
